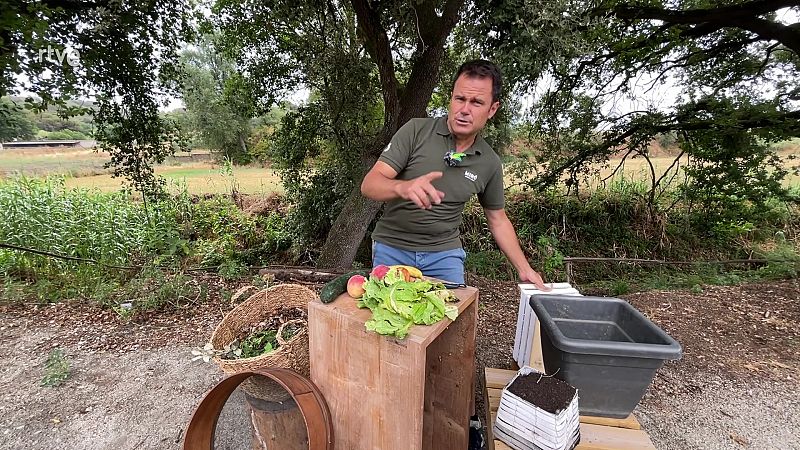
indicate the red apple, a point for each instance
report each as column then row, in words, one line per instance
column 379, row 271
column 355, row 286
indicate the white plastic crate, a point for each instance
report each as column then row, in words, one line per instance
column 526, row 318
column 524, row 426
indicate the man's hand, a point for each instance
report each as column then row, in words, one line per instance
column 420, row 190
column 533, row 276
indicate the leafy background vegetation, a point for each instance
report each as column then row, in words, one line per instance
column 707, row 176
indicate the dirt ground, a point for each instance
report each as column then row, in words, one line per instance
column 133, row 385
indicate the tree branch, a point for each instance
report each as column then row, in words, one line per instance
column 425, row 70
column 69, row 5
column 377, row 43
column 744, row 10
column 675, row 162
column 744, row 16
column 786, row 35
column 678, row 124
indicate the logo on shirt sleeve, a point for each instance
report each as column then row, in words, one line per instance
column 470, row 176
column 387, row 147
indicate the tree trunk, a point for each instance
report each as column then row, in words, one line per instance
column 348, row 231
column 243, row 145
column 351, row 224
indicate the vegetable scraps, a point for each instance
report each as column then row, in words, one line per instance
column 398, row 301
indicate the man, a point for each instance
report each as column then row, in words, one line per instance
column 427, row 173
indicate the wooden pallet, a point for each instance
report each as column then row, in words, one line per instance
column 597, row 433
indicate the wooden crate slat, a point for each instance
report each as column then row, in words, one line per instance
column 629, row 422
column 498, row 378
column 488, row 411
column 598, row 437
column 493, row 399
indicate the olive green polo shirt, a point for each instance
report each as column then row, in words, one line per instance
column 419, row 148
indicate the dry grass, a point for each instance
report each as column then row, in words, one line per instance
column 40, row 162
column 85, row 167
column 199, row 178
column 638, row 170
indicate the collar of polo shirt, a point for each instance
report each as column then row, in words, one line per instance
column 476, row 148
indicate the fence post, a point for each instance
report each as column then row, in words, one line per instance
column 569, row 271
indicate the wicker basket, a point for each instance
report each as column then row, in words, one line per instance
column 291, row 354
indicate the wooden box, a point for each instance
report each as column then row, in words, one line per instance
column 390, row 394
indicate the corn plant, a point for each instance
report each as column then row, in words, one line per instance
column 41, row 214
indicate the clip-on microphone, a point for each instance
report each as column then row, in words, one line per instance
column 453, row 159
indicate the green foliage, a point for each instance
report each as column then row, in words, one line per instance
column 61, row 135
column 732, row 167
column 319, row 161
column 323, row 149
column 318, row 147
column 549, row 254
column 232, row 269
column 784, row 261
column 21, row 123
column 617, row 222
column 151, row 290
column 227, row 237
column 217, row 100
column 115, row 230
column 85, row 281
column 15, row 125
column 56, row 369
column 121, row 53
column 259, row 343
column 490, row 264
column 596, row 56
column 619, row 287
column 42, row 214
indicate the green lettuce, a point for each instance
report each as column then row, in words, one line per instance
column 397, row 304
column 388, row 323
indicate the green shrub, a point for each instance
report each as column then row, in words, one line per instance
column 617, row 222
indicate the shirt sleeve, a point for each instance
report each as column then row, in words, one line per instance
column 398, row 151
column 493, row 195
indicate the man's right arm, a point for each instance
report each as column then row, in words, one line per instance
column 381, row 184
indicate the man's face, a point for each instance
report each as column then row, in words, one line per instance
column 471, row 106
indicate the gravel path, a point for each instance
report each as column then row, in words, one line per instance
column 134, row 386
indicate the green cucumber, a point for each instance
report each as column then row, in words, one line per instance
column 338, row 285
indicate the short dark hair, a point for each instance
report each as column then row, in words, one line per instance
column 481, row 68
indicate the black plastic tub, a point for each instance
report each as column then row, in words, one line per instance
column 604, row 347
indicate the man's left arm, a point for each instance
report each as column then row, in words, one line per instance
column 506, row 238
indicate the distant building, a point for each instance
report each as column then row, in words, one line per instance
column 47, row 144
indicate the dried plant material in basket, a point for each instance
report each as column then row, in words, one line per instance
column 538, row 411
column 258, row 309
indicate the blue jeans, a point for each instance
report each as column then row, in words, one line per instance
column 446, row 265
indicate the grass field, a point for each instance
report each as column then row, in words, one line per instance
column 84, row 168
column 200, row 178
column 40, row 162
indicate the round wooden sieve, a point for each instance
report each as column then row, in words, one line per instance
column 315, row 412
